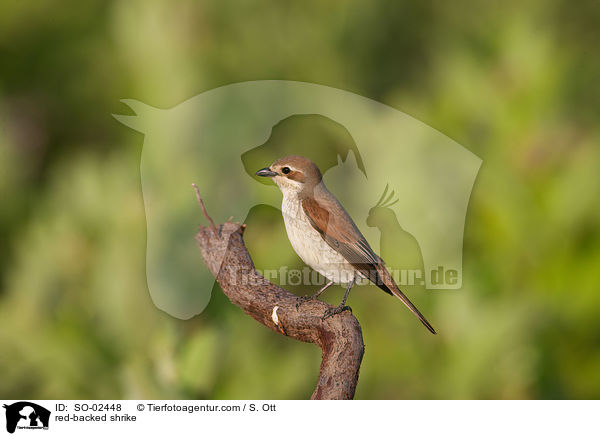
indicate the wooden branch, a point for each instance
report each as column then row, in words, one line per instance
column 339, row 337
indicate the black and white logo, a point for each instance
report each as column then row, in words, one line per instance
column 26, row 415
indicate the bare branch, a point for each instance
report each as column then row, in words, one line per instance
column 339, row 337
column 206, row 215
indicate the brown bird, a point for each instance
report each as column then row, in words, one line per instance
column 323, row 234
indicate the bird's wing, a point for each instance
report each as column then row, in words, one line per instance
column 335, row 226
column 339, row 231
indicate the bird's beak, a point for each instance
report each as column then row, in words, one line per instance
column 266, row 172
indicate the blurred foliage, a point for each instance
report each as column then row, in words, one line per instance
column 515, row 82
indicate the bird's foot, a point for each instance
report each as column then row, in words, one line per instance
column 334, row 311
column 302, row 300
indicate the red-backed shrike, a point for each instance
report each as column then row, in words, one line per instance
column 323, row 234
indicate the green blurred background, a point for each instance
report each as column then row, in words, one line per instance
column 515, row 82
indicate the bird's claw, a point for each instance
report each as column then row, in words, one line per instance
column 334, row 311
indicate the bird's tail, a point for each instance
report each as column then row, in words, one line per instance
column 386, row 282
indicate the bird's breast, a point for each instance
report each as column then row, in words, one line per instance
column 311, row 247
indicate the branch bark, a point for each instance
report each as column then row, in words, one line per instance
column 339, row 337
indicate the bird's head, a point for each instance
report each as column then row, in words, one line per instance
column 293, row 174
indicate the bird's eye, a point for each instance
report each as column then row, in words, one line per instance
column 285, row 170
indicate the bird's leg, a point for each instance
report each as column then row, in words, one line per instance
column 312, row 297
column 342, row 306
